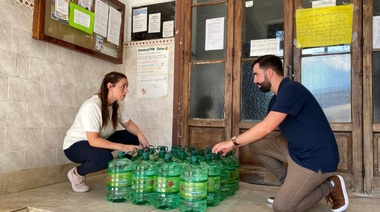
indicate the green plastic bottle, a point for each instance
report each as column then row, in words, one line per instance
column 138, row 155
column 143, row 172
column 223, row 177
column 119, row 179
column 213, row 181
column 237, row 170
column 193, row 186
column 229, row 167
column 182, row 159
column 166, row 184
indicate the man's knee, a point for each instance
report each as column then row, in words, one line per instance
column 278, row 206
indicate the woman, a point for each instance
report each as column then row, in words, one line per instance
column 93, row 136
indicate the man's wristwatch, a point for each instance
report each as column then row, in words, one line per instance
column 233, row 139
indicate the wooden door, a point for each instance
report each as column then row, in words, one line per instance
column 219, row 100
column 207, row 72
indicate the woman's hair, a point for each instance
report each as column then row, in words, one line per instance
column 113, row 78
column 270, row 61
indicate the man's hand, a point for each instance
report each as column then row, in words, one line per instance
column 223, row 147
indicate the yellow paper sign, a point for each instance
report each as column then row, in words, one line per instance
column 324, row 26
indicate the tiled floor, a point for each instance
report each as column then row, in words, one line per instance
column 60, row 197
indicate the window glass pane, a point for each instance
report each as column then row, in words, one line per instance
column 200, row 15
column 376, row 7
column 326, row 50
column 262, row 20
column 254, row 103
column 376, row 87
column 207, row 91
column 329, row 79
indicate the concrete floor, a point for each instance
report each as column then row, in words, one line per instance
column 60, row 197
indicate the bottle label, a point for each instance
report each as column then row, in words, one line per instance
column 167, row 184
column 119, row 179
column 213, row 184
column 231, row 176
column 193, row 190
column 143, row 184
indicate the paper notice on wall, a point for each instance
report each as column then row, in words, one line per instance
column 101, row 18
column 214, row 34
column 154, row 23
column 168, row 29
column 324, row 26
column 376, row 32
column 152, row 72
column 114, row 26
column 323, row 3
column 62, row 10
column 139, row 18
column 265, row 46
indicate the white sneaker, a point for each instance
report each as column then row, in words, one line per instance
column 270, row 200
column 78, row 183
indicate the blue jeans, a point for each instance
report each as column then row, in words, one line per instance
column 93, row 159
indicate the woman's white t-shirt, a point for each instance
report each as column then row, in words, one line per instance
column 89, row 119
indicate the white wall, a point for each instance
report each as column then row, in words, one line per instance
column 153, row 116
column 43, row 85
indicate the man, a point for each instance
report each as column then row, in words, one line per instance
column 309, row 147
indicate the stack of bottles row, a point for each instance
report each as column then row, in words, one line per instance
column 177, row 179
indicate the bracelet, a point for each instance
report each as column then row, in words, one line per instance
column 233, row 139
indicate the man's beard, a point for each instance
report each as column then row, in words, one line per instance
column 265, row 85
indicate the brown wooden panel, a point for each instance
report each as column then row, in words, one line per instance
column 251, row 170
column 376, row 140
column 344, row 141
column 245, row 152
column 201, row 137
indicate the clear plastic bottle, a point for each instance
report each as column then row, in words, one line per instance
column 213, row 181
column 119, row 179
column 143, row 172
column 166, row 185
column 193, row 187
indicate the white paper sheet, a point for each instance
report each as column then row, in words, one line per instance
column 140, row 20
column 101, row 18
column 82, row 18
column 323, row 3
column 214, row 34
column 376, row 32
column 114, row 25
column 264, row 46
column 154, row 23
column 168, row 29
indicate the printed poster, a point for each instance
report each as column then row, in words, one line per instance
column 152, row 72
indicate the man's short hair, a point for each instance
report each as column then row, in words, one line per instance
column 270, row 61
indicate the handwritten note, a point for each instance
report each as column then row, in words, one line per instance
column 324, row 26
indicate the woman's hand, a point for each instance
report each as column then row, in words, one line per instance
column 143, row 141
column 130, row 148
column 223, row 147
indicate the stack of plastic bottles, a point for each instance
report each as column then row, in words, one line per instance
column 182, row 178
